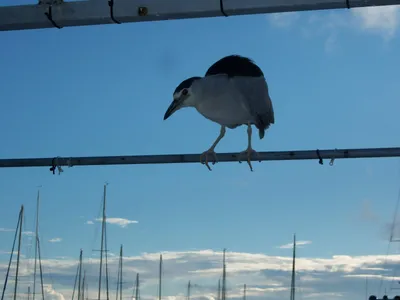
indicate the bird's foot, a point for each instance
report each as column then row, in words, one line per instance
column 249, row 151
column 205, row 155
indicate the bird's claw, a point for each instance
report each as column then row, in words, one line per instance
column 249, row 151
column 205, row 162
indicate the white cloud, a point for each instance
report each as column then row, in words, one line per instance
column 90, row 222
column 55, row 240
column 283, row 20
column 27, row 233
column 118, row 221
column 298, row 243
column 51, row 294
column 380, row 19
column 338, row 276
column 331, row 43
column 9, row 252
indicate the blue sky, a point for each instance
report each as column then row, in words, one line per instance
column 103, row 90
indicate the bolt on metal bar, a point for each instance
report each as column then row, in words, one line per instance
column 59, row 14
column 331, row 154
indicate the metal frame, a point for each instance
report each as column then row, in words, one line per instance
column 56, row 13
column 320, row 155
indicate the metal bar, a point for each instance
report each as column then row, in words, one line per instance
column 195, row 158
column 82, row 13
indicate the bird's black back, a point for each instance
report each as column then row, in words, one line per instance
column 186, row 84
column 235, row 65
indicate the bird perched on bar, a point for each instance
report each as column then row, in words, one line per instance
column 232, row 93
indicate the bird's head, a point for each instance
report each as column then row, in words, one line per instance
column 182, row 96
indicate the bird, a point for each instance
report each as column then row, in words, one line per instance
column 233, row 92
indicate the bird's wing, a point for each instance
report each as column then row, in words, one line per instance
column 255, row 92
column 234, row 65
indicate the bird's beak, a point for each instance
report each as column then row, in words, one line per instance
column 171, row 109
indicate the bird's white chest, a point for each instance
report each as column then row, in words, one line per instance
column 222, row 103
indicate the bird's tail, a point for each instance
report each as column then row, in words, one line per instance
column 261, row 133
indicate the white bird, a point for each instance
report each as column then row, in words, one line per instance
column 232, row 93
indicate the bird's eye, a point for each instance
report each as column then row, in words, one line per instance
column 184, row 92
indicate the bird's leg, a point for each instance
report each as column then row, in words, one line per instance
column 249, row 151
column 211, row 150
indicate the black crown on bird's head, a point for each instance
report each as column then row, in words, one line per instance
column 187, row 83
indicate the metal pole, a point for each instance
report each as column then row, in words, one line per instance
column 80, row 13
column 195, row 158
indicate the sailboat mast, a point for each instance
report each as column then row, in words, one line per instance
column 188, row 291
column 19, row 223
column 80, row 275
column 102, row 239
column 120, row 274
column 36, row 243
column 137, row 287
column 106, row 258
column 40, row 269
column 244, row 292
column 219, row 290
column 224, row 278
column 83, row 285
column 29, row 292
column 160, row 276
column 19, row 252
column 119, row 277
column 293, row 284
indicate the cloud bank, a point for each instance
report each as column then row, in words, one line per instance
column 338, row 276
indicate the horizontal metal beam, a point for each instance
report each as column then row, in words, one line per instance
column 96, row 12
column 195, row 158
